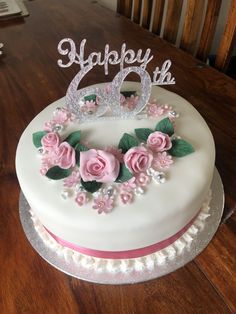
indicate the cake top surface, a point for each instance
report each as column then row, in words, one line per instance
column 101, row 168
column 187, row 179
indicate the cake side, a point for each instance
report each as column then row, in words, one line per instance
column 158, row 214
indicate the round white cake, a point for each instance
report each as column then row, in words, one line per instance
column 151, row 213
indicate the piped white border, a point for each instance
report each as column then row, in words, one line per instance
column 148, row 262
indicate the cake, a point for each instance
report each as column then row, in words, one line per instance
column 126, row 188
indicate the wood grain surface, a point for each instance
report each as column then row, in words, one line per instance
column 227, row 43
column 192, row 23
column 208, row 30
column 30, row 80
column 172, row 21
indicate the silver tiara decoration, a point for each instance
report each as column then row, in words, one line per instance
column 110, row 99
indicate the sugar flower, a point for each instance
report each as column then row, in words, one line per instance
column 126, row 197
column 81, row 198
column 154, row 110
column 90, row 106
column 130, row 102
column 159, row 142
column 98, row 165
column 116, row 152
column 50, row 141
column 162, row 160
column 129, row 185
column 64, row 156
column 138, row 159
column 142, row 179
column 72, row 180
column 103, row 204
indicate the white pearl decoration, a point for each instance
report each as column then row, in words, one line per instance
column 159, row 177
column 174, row 114
column 41, row 150
column 139, row 191
column 65, row 194
column 57, row 128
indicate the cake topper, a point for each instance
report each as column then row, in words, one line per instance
column 110, row 99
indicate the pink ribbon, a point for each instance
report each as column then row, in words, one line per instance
column 123, row 254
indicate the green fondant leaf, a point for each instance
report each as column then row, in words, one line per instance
column 73, row 138
column 57, row 173
column 128, row 93
column 37, row 136
column 124, row 174
column 79, row 148
column 126, row 142
column 91, row 186
column 91, row 97
column 165, row 126
column 180, row 148
column 143, row 134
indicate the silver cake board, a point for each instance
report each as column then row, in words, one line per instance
column 198, row 244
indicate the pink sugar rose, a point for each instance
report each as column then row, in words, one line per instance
column 138, row 159
column 116, row 152
column 98, row 165
column 159, row 142
column 64, row 156
column 50, row 141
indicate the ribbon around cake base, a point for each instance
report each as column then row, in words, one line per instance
column 124, row 254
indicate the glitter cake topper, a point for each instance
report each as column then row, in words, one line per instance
column 110, row 99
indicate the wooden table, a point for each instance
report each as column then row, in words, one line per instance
column 30, row 80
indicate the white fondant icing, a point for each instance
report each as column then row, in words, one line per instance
column 160, row 213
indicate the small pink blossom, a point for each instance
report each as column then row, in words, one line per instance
column 129, row 185
column 98, row 165
column 162, row 161
column 154, row 110
column 103, row 204
column 159, row 142
column 81, row 198
column 72, row 180
column 64, row 156
column 50, row 141
column 126, row 197
column 61, row 116
column 138, row 159
column 142, row 179
column 130, row 102
column 167, row 108
column 48, row 126
column 122, row 99
column 47, row 162
column 44, row 169
column 89, row 106
column 116, row 152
